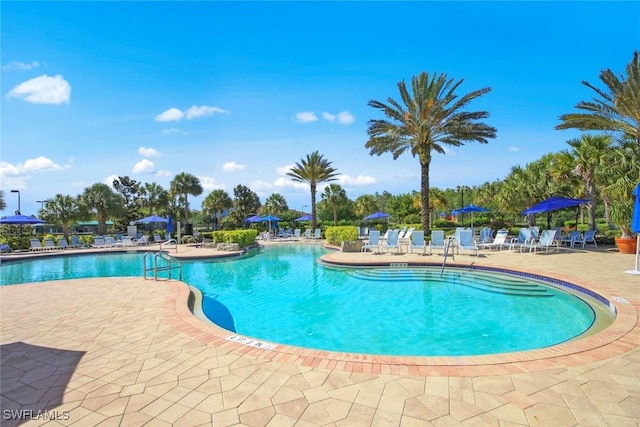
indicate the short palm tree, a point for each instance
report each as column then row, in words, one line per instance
column 615, row 109
column 61, row 209
column 275, row 204
column 313, row 170
column 429, row 117
column 154, row 194
column 101, row 200
column 216, row 202
column 185, row 184
column 365, row 205
column 334, row 195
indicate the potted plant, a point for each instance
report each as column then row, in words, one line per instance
column 621, row 212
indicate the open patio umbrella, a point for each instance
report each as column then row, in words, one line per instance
column 253, row 219
column 152, row 218
column 270, row 218
column 553, row 204
column 635, row 226
column 306, row 217
column 377, row 215
column 21, row 220
column 472, row 209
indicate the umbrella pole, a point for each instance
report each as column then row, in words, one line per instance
column 636, row 271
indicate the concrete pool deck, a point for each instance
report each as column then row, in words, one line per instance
column 127, row 351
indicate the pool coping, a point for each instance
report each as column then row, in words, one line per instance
column 623, row 335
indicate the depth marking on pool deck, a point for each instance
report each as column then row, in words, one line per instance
column 252, row 343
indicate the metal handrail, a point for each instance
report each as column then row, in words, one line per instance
column 168, row 242
column 447, row 245
column 173, row 264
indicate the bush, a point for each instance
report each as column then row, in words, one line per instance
column 344, row 233
column 241, row 237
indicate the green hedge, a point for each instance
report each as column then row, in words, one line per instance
column 241, row 237
column 339, row 234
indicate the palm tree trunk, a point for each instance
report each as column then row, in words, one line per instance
column 186, row 210
column 65, row 230
column 335, row 215
column 314, row 223
column 424, row 191
column 591, row 206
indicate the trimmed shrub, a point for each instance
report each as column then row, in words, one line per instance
column 241, row 237
column 339, row 234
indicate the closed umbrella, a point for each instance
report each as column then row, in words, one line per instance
column 635, row 226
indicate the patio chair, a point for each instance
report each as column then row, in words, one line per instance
column 157, row 238
column 127, row 241
column 374, row 241
column 437, row 241
column 50, row 245
column 5, row 248
column 546, row 241
column 498, row 241
column 296, row 233
column 62, row 242
column 417, row 242
column 317, row 234
column 571, row 238
column 486, row 235
column 110, row 242
column 34, row 245
column 524, row 237
column 99, row 242
column 588, row 237
column 392, row 242
column 467, row 242
column 75, row 241
column 144, row 240
column 307, row 233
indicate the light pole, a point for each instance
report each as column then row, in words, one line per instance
column 41, row 211
column 461, row 191
column 17, row 191
column 304, row 206
column 18, row 211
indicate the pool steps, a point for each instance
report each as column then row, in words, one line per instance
column 483, row 282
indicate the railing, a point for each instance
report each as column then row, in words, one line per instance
column 170, row 264
column 169, row 242
column 447, row 245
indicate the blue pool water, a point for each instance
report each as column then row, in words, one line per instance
column 283, row 295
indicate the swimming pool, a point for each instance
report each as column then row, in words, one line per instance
column 285, row 296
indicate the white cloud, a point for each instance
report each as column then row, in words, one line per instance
column 174, row 130
column 43, row 90
column 260, row 186
column 210, row 183
column 170, row 115
column 232, row 167
column 144, row 166
column 345, row 118
column 204, row 110
column 306, row 117
column 38, row 164
column 163, row 173
column 282, row 170
column 512, row 148
column 287, row 183
column 20, row 66
column 358, row 181
column 148, row 152
column 328, row 116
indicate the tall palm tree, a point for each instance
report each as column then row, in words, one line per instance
column 616, row 108
column 216, row 202
column 584, row 159
column 313, row 170
column 275, row 204
column 365, row 204
column 3, row 204
column 334, row 195
column 61, row 209
column 430, row 117
column 101, row 200
column 184, row 184
column 154, row 194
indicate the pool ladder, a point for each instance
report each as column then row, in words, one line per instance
column 167, row 263
column 447, row 245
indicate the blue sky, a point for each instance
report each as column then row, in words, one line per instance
column 235, row 93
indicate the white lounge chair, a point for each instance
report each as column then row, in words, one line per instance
column 317, row 234
column 437, row 241
column 467, row 242
column 374, row 241
column 296, row 233
column 99, row 242
column 35, row 245
column 498, row 242
column 127, row 241
column 144, row 240
column 392, row 242
column 524, row 237
column 307, row 233
column 417, row 242
column 110, row 242
column 157, row 238
column 547, row 240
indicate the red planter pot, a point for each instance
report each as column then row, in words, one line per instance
column 626, row 245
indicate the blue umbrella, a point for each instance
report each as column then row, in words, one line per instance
column 635, row 226
column 553, row 204
column 170, row 224
column 271, row 218
column 152, row 218
column 252, row 219
column 306, row 217
column 21, row 220
column 377, row 215
column 472, row 209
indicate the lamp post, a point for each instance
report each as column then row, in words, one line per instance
column 304, row 206
column 461, row 191
column 18, row 212
column 41, row 211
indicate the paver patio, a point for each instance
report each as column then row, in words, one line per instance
column 127, row 351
